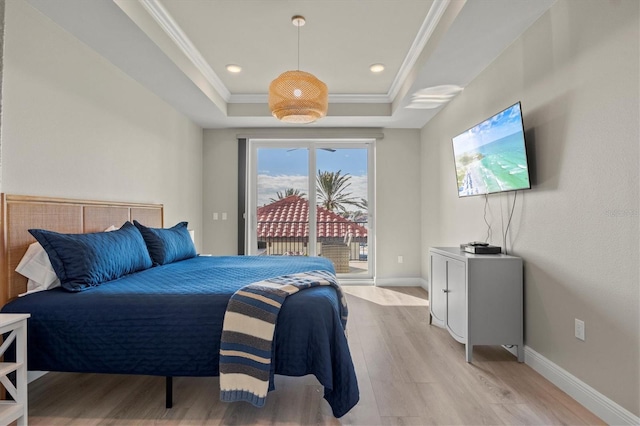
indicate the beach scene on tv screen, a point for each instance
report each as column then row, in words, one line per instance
column 491, row 156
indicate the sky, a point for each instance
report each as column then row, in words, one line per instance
column 282, row 168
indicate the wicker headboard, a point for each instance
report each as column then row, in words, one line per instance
column 21, row 213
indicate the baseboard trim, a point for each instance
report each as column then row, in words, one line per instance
column 401, row 282
column 34, row 375
column 600, row 405
column 355, row 281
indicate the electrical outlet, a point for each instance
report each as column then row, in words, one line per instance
column 579, row 329
column 400, row 259
column 215, row 216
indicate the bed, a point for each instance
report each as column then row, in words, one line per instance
column 166, row 320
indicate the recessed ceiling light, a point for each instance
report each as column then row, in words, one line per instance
column 377, row 68
column 233, row 68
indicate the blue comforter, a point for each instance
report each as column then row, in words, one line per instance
column 167, row 321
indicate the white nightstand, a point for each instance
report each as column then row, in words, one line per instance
column 16, row 409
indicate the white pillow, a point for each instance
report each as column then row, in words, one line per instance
column 36, row 266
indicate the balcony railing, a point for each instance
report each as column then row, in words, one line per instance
column 292, row 238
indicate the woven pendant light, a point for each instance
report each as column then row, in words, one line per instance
column 298, row 96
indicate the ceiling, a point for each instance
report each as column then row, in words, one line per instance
column 179, row 49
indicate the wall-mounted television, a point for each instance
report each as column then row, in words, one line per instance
column 491, row 156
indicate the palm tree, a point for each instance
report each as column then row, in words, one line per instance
column 358, row 216
column 287, row 193
column 332, row 192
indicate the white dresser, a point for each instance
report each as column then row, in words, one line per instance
column 478, row 298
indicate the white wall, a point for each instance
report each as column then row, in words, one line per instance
column 398, row 222
column 220, row 176
column 397, row 194
column 75, row 126
column 576, row 71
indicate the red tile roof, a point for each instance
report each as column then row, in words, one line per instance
column 288, row 218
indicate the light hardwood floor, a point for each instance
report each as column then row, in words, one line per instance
column 409, row 373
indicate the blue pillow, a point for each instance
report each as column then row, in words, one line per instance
column 168, row 245
column 82, row 261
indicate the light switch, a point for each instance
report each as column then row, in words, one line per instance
column 224, row 216
column 215, row 216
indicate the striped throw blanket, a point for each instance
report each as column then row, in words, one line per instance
column 248, row 332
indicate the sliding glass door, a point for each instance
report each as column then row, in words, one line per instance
column 312, row 198
column 281, row 211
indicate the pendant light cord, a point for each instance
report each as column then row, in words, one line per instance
column 298, row 47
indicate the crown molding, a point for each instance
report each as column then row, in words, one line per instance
column 340, row 98
column 173, row 30
column 164, row 19
column 424, row 33
column 334, row 99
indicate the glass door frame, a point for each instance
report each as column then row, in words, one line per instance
column 311, row 144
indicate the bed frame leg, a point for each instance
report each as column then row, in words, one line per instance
column 169, row 394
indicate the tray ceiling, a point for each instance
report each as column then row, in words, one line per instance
column 179, row 49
